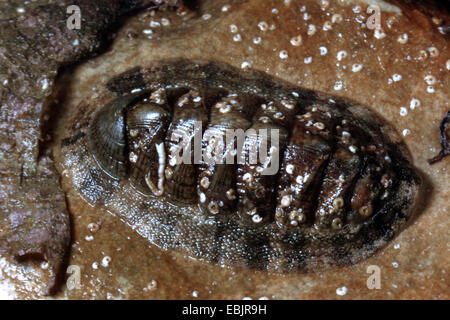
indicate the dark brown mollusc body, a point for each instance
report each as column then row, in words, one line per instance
column 344, row 188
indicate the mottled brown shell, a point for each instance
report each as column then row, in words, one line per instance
column 146, row 126
column 107, row 138
column 344, row 188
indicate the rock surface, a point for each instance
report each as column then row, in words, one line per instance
column 401, row 71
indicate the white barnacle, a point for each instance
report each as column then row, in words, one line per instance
column 93, row 227
column 346, row 136
column 352, row 149
column 311, row 30
column 341, row 291
column 133, row 133
column 237, row 38
column 284, row 54
column 256, row 218
column 154, row 24
column 231, row 194
column 414, row 103
column 290, row 105
column 247, row 177
column 336, row 18
column 279, row 116
column 133, row 157
column 204, row 182
column 403, row 111
column 165, row 22
column 365, row 211
column 158, row 96
column 296, row 41
column 285, row 201
column 422, row 55
column 297, row 216
column 357, row 67
column 106, row 261
column 338, row 85
column 434, row 52
column 290, row 168
column 213, row 207
column 397, row 77
column 169, row 173
column 402, row 38
column 173, row 161
column 264, row 119
column 341, row 55
column 45, row 84
column 336, row 224
column 206, row 16
column 319, row 125
column 379, row 33
column 430, row 79
column 263, row 26
column 307, row 115
column 327, row 26
column 338, row 203
column 246, row 65
column 324, row 4
column 184, row 100
column 257, row 40
column 225, row 108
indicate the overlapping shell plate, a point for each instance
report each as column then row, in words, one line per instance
column 343, row 186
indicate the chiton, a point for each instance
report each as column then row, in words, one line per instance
column 345, row 184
